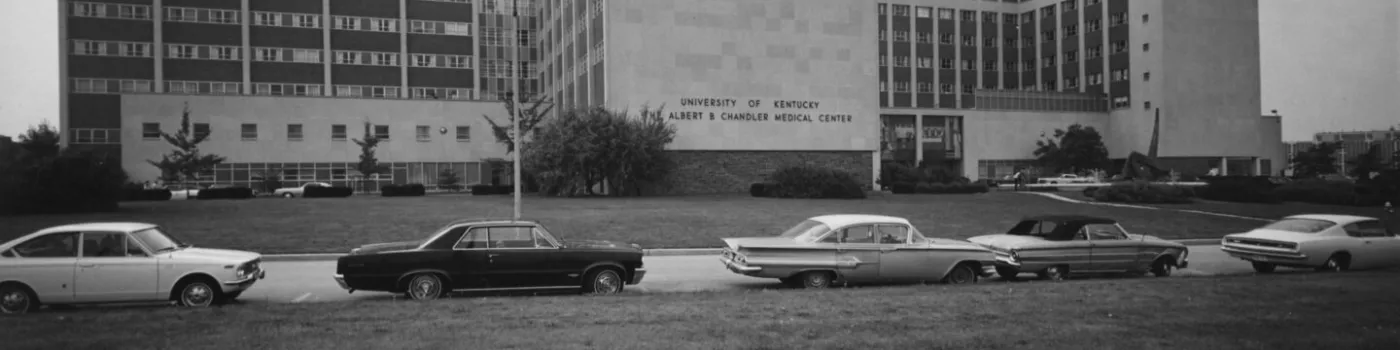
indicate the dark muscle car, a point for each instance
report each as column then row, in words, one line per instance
column 1052, row 246
column 490, row 255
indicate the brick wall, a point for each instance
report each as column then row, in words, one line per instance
column 706, row 172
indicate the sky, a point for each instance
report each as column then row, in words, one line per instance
column 1325, row 67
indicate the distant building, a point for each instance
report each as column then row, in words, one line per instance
column 1354, row 144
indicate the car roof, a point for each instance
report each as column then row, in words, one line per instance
column 87, row 226
column 1071, row 218
column 1337, row 218
column 491, row 221
column 839, row 220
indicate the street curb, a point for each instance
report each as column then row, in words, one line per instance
column 647, row 252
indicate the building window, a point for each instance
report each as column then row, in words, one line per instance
column 925, row 87
column 901, row 61
column 1050, row 86
column 1147, row 105
column 1028, row 42
column 1118, row 19
column 924, row 37
column 945, row 63
column 1069, row 5
column 338, row 132
column 1120, row 46
column 424, row 133
column 440, row 93
column 1011, row 67
column 280, row 89
column 179, row 51
column 989, row 17
column 883, row 37
column 1144, row 18
column 294, row 132
column 1071, row 56
column 968, row 65
column 968, row 16
column 901, row 10
column 1145, row 47
column 1095, row 79
column 901, row 86
column 1028, row 65
column 1072, row 83
column 1146, row 76
column 367, row 91
column 967, row 89
column 464, row 134
column 100, row 10
column 1049, row 61
column 923, row 12
column 989, row 65
column 249, row 132
column 902, row 36
column 945, row 38
column 1009, row 18
column 441, row 28
column 150, row 131
column 1093, row 25
column 925, row 62
column 1120, row 102
column 878, row 8
column 945, row 88
column 1028, row 17
column 1120, row 75
column 1012, row 42
column 945, row 14
column 201, row 130
column 203, row 87
column 381, row 132
column 883, row 87
column 884, row 61
column 969, row 40
column 989, row 42
column 1071, row 30
column 1091, row 2
column 1047, row 36
column 1048, row 11
column 1095, row 51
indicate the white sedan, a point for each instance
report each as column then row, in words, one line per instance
column 118, row 262
column 290, row 192
column 1322, row 242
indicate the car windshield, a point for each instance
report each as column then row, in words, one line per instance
column 808, row 229
column 1299, row 225
column 1033, row 228
column 157, row 240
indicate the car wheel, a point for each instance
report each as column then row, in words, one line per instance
column 1055, row 273
column 603, row 281
column 1162, row 267
column 816, row 279
column 199, row 293
column 425, row 286
column 17, row 300
column 1007, row 273
column 1263, row 267
column 1336, row 263
column 287, row 195
column 961, row 274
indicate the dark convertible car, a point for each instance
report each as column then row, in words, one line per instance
column 485, row 254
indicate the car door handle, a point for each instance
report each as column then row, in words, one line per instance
column 87, row 265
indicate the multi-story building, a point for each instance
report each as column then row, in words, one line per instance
column 1354, row 144
column 752, row 85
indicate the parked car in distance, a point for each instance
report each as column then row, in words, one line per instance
column 1067, row 179
column 118, row 262
column 828, row 249
column 490, row 255
column 1322, row 242
column 299, row 191
column 1055, row 245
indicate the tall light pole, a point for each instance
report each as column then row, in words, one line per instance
column 515, row 98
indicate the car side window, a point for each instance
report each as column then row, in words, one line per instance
column 540, row 240
column 1104, row 232
column 1370, row 228
column 133, row 248
column 834, row 237
column 104, row 244
column 474, row 239
column 57, row 245
column 892, row 234
column 859, row 234
column 503, row 237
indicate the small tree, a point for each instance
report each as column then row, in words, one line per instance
column 271, row 179
column 448, row 180
column 1317, row 161
column 368, row 165
column 185, row 162
column 1078, row 148
column 586, row 148
column 535, row 111
column 40, row 141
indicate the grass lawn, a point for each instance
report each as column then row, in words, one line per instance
column 1296, row 311
column 1265, row 211
column 322, row 225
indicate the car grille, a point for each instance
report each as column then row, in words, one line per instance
column 1261, row 243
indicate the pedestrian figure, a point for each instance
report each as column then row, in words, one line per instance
column 1019, row 178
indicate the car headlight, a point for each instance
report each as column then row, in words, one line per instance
column 1015, row 256
column 246, row 270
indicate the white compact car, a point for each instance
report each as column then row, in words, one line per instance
column 118, row 262
column 289, row 192
column 1323, row 242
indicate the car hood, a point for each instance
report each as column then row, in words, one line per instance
column 1004, row 241
column 735, row 243
column 214, row 255
column 1277, row 235
column 384, row 247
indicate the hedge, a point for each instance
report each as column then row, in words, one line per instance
column 327, row 192
column 1319, row 191
column 139, row 194
column 1142, row 192
column 1242, row 189
column 938, row 188
column 225, row 193
column 760, row 189
column 480, row 190
column 409, row 190
column 811, row 182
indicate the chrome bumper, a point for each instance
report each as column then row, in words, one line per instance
column 739, row 268
column 340, row 279
column 637, row 275
column 1264, row 257
column 989, row 269
column 260, row 275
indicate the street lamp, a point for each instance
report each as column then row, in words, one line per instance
column 515, row 98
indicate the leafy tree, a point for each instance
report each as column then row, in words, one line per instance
column 369, row 165
column 535, row 111
column 1366, row 163
column 1078, row 148
column 448, row 179
column 40, row 141
column 586, row 148
column 1317, row 161
column 185, row 162
column 271, row 179
column 37, row 176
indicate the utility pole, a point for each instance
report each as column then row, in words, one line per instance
column 515, row 98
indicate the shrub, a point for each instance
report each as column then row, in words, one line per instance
column 70, row 182
column 813, row 182
column 1040, row 189
column 225, row 193
column 760, row 189
column 1319, row 191
column 1089, row 191
column 1242, row 189
column 409, row 190
column 327, row 192
column 903, row 188
column 482, row 190
column 1143, row 192
column 448, row 180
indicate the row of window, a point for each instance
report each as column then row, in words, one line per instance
column 101, row 86
column 265, row 18
column 266, row 54
column 295, row 132
column 987, row 16
column 991, row 41
column 1117, row 75
column 1048, row 61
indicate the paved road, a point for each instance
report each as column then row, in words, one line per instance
column 310, row 281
